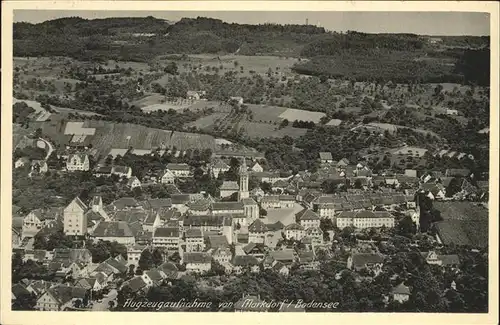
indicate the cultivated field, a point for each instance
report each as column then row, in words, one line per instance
column 266, row 113
column 258, row 64
column 464, row 223
column 292, row 114
column 262, row 130
column 206, row 122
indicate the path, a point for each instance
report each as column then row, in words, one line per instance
column 103, row 305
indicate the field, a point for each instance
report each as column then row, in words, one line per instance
column 110, row 135
column 464, row 223
column 258, row 64
column 266, row 113
column 207, row 121
column 262, row 130
column 292, row 114
column 18, row 133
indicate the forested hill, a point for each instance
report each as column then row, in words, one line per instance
column 453, row 59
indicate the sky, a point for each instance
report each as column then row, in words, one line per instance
column 423, row 23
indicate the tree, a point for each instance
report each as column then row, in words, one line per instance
column 157, row 257
column 453, row 187
column 406, row 227
column 146, row 260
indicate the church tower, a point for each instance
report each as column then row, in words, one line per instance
column 243, row 193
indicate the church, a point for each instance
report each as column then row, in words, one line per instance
column 250, row 206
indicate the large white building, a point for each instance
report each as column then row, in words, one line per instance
column 365, row 219
column 78, row 162
column 75, row 219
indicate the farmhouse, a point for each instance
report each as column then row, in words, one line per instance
column 257, row 168
column 401, row 293
column 197, row 262
column 237, row 100
column 179, row 170
column 219, row 167
column 118, row 231
column 325, row 157
column 228, row 188
column 168, row 177
column 133, row 183
column 78, row 162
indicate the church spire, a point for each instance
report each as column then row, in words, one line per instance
column 243, row 167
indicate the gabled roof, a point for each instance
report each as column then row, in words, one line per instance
column 113, row 229
column 64, row 294
column 362, row 259
column 125, row 202
column 182, row 166
column 19, row 291
column 257, row 226
column 283, row 255
column 251, row 246
column 229, row 185
column 159, row 203
column 197, row 257
column 325, row 156
column 218, row 241
column 79, row 203
column 169, row 232
column 193, row 233
column 244, row 260
column 220, row 206
column 135, row 284
column 294, row 226
column 307, row 214
column 278, row 225
column 221, row 165
column 401, row 289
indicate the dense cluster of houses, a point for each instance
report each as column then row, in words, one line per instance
column 256, row 231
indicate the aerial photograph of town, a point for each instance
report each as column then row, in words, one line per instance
column 250, row 162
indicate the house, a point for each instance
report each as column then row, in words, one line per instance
column 442, row 260
column 124, row 203
column 194, row 240
column 179, row 170
column 369, row 261
column 270, row 202
column 37, row 219
column 228, row 188
column 39, row 167
column 215, row 223
column 316, row 235
column 197, row 262
column 457, row 172
column 168, row 238
column 280, row 268
column 307, row 218
column 133, row 182
column 118, row 231
column 168, row 177
column 122, row 171
column 136, row 284
column 243, row 263
column 451, row 112
column 401, row 293
column 75, row 219
column 434, row 191
column 59, row 297
column 294, row 231
column 325, row 157
column 23, row 161
column 193, row 95
column 257, row 168
column 342, row 163
column 199, row 207
column 285, row 256
column 90, row 283
column 221, row 255
column 219, row 167
column 279, row 186
column 169, row 269
column 78, row 162
column 257, row 232
column 256, row 250
column 287, row 201
column 236, row 99
column 134, row 254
